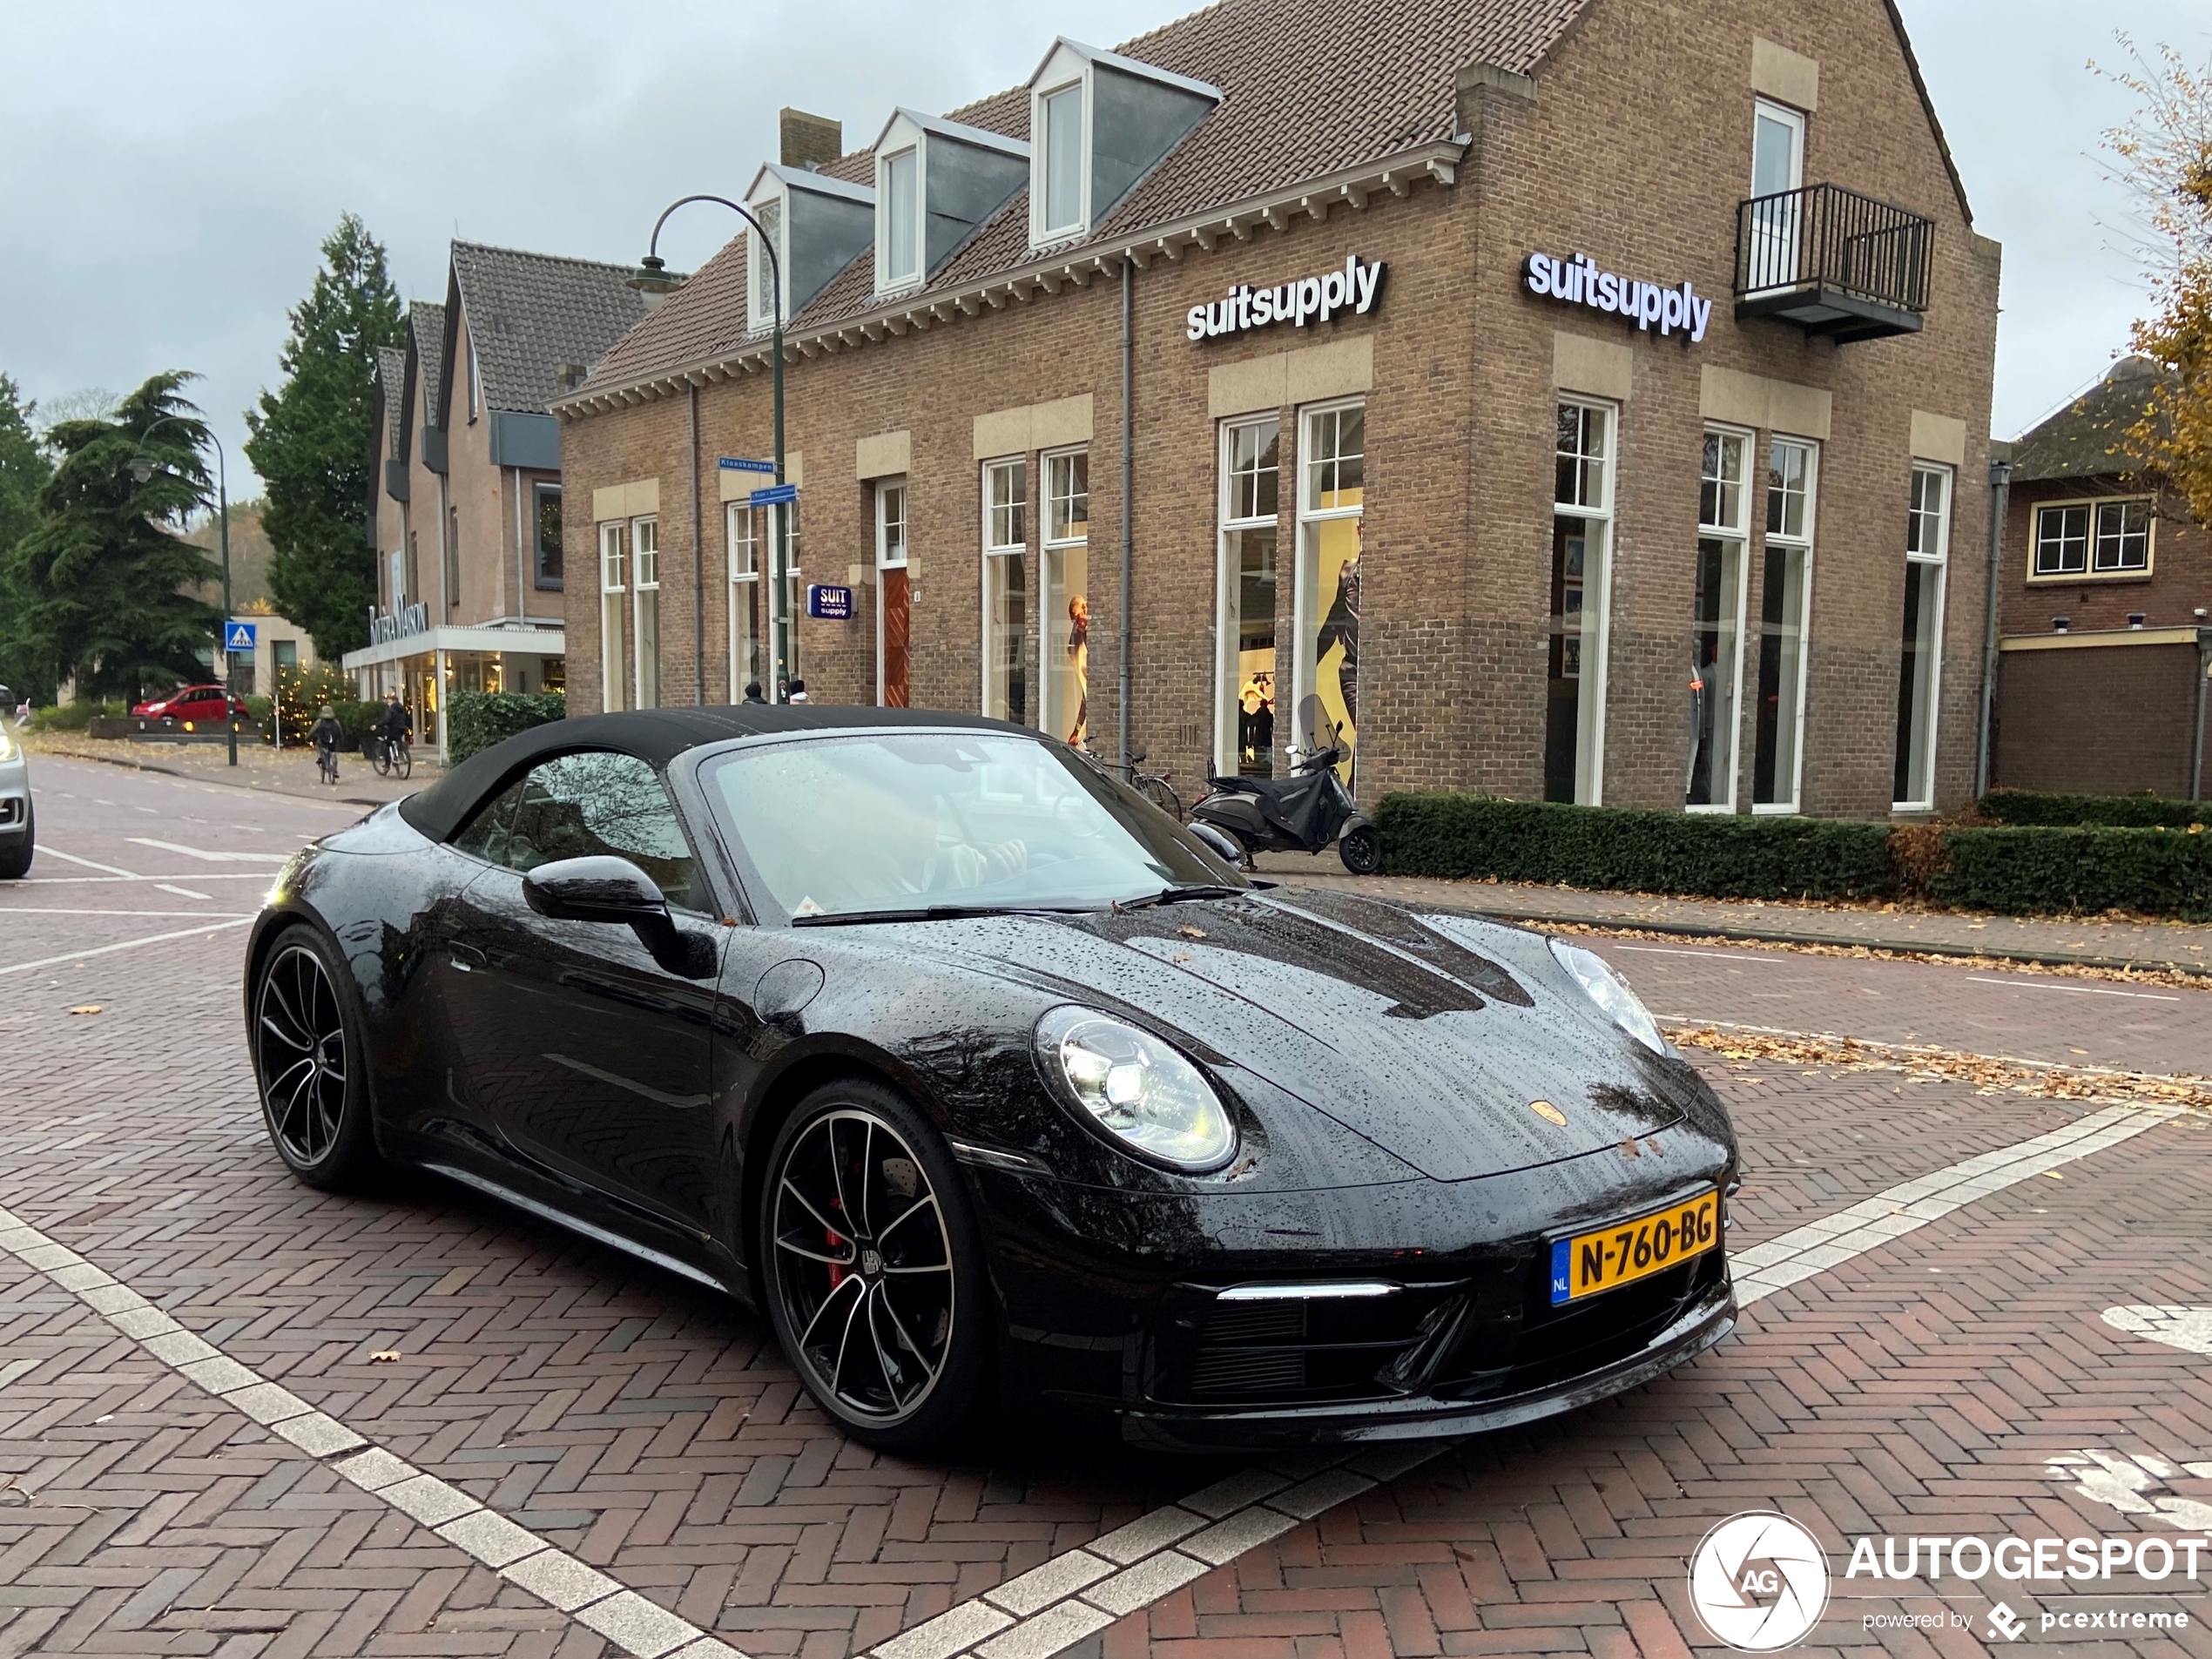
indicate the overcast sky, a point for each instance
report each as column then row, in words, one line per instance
column 168, row 171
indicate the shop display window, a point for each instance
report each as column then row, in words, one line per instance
column 1785, row 601
column 1723, row 529
column 1580, row 586
column 1332, row 494
column 1247, row 708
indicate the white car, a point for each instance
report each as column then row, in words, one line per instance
column 17, row 833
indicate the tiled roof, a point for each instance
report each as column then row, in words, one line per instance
column 1309, row 87
column 529, row 313
column 2088, row 439
column 426, row 324
column 391, row 380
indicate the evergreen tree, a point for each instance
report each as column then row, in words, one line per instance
column 24, row 468
column 310, row 443
column 102, row 588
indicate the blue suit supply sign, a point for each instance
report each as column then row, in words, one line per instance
column 832, row 603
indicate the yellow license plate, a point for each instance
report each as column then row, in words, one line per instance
column 1629, row 1251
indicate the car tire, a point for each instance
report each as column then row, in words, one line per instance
column 901, row 1360
column 15, row 863
column 310, row 1063
column 1361, row 850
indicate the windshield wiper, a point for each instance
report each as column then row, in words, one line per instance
column 1177, row 894
column 926, row 912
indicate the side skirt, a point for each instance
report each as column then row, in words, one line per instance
column 576, row 1225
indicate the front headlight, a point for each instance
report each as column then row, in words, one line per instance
column 1138, row 1089
column 1610, row 992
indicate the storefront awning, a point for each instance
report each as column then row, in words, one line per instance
column 523, row 642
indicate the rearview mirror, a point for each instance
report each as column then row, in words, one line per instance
column 603, row 888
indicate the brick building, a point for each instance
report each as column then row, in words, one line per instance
column 1583, row 398
column 2106, row 594
column 466, row 501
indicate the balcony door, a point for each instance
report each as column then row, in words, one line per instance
column 1778, row 171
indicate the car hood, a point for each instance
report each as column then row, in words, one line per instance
column 1432, row 1035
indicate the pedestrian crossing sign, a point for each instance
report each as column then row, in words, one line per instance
column 238, row 637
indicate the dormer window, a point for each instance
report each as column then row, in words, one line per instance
column 937, row 183
column 898, row 250
column 818, row 224
column 1062, row 127
column 770, row 211
column 1102, row 122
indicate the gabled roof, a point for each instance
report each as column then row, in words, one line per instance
column 528, row 314
column 2088, row 438
column 937, row 126
column 425, row 356
column 819, row 179
column 1310, row 88
column 1129, row 65
column 391, row 402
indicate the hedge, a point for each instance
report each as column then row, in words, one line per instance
column 1624, row 849
column 2116, row 812
column 2019, row 870
column 75, row 717
column 2033, row 870
column 477, row 720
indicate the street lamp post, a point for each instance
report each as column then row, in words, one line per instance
column 651, row 277
column 141, row 469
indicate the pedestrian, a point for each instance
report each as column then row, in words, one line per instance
column 753, row 693
column 325, row 736
column 799, row 691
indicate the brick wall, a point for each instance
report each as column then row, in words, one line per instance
column 1636, row 151
column 2179, row 581
column 2097, row 719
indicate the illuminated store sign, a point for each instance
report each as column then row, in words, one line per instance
column 1578, row 282
column 1314, row 299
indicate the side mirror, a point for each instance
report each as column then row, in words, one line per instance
column 615, row 890
column 1217, row 842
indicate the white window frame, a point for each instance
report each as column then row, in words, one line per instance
column 1597, row 598
column 1041, row 232
column 1228, row 582
column 1307, row 608
column 2092, row 507
column 759, row 314
column 1778, row 226
column 887, row 280
column 642, row 560
column 995, row 548
column 740, row 530
column 1923, row 798
column 1803, row 543
column 1051, row 625
column 1737, row 533
column 887, row 557
column 1794, row 120
column 614, row 592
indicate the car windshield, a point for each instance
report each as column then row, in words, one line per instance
column 907, row 821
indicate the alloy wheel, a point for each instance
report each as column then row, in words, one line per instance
column 300, row 1040
column 863, row 1266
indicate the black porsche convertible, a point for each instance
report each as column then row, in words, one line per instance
column 988, row 1082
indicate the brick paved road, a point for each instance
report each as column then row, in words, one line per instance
column 653, row 1431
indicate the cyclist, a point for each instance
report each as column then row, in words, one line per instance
column 396, row 727
column 326, row 736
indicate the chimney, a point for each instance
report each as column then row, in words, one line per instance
column 808, row 140
column 570, row 375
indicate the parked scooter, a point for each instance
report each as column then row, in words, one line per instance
column 1302, row 812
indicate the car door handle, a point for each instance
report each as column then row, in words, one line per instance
column 467, row 958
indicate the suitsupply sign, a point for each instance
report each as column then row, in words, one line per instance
column 1578, row 282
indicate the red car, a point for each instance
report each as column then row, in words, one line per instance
column 191, row 703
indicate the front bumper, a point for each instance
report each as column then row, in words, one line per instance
column 15, row 800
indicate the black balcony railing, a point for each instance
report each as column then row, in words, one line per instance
column 1834, row 261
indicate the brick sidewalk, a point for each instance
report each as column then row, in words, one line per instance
column 2091, row 940
column 260, row 768
column 653, row 1431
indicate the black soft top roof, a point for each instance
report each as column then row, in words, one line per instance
column 654, row 735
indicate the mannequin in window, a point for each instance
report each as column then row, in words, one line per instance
column 1079, row 654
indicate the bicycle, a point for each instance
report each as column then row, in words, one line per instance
column 327, row 764
column 391, row 759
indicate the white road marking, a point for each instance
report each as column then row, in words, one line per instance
column 2135, row 1484
column 2076, row 990
column 212, row 857
column 182, row 893
column 1663, row 950
column 55, row 853
column 128, row 944
column 88, row 880
column 2187, row 1328
column 77, row 910
column 1871, row 1223
column 517, row 1554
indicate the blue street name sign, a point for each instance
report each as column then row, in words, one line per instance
column 740, row 463
column 834, row 603
column 775, row 495
column 238, row 637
